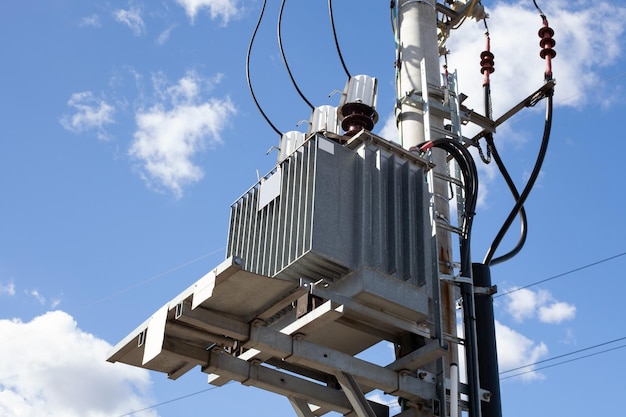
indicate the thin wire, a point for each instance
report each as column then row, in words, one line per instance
column 282, row 53
column 169, row 401
column 152, row 278
column 564, row 362
column 258, row 23
column 332, row 23
column 564, row 355
column 561, row 274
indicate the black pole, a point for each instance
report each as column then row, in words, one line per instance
column 486, row 335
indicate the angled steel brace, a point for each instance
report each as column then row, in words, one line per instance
column 355, row 395
column 281, row 383
column 301, row 407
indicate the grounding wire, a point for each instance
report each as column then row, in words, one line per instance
column 332, row 24
column 488, row 260
column 256, row 28
column 282, row 53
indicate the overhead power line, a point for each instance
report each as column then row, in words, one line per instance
column 168, row 401
column 562, row 274
column 564, row 355
column 154, row 277
column 564, row 362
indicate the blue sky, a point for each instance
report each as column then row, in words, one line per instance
column 128, row 130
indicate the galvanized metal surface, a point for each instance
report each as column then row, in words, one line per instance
column 341, row 224
column 338, row 209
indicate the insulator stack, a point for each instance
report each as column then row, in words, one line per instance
column 487, row 62
column 357, row 107
column 356, row 117
column 547, row 44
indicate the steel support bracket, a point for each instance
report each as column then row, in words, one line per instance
column 486, row 290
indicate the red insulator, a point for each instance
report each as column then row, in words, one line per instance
column 547, row 44
column 486, row 62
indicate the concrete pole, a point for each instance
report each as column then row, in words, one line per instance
column 419, row 52
column 417, row 24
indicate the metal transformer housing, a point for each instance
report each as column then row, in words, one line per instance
column 329, row 209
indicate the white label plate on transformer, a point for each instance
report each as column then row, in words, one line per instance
column 326, row 145
column 269, row 189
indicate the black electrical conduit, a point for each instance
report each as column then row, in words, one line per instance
column 470, row 184
column 248, row 71
column 282, row 53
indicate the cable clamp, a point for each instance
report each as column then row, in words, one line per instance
column 486, row 290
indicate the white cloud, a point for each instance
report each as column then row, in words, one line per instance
column 8, row 288
column 90, row 113
column 165, row 35
column 224, row 9
column 40, row 298
column 131, row 18
column 389, row 130
column 519, row 70
column 525, row 304
column 52, row 368
column 556, row 313
column 90, row 21
column 173, row 131
column 581, row 30
column 515, row 350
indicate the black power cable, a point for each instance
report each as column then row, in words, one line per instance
column 248, row 71
column 470, row 183
column 522, row 212
column 282, row 53
column 488, row 260
column 547, row 53
column 332, row 23
column 491, row 147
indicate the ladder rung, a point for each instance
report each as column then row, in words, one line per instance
column 448, row 178
column 457, row 279
column 448, row 227
column 453, row 339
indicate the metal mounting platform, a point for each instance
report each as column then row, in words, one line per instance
column 237, row 325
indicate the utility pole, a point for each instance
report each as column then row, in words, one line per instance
column 419, row 79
